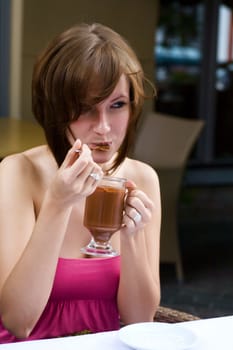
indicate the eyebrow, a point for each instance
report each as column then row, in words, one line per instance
column 119, row 96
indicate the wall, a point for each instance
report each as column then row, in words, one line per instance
column 43, row 19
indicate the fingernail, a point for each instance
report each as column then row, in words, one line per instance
column 78, row 152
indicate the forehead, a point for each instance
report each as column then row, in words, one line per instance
column 121, row 88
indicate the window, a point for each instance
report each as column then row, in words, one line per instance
column 194, row 72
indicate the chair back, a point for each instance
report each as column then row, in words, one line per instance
column 165, row 141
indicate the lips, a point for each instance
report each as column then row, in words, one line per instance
column 100, row 146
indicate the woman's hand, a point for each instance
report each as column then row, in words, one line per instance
column 73, row 181
column 138, row 209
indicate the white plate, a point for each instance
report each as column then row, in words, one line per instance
column 157, row 336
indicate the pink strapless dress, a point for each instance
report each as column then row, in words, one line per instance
column 83, row 298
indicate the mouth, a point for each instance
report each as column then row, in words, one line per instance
column 100, row 146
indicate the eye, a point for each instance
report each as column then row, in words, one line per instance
column 118, row 104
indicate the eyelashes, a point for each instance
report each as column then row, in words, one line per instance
column 118, row 104
column 93, row 111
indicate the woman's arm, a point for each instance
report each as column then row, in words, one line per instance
column 139, row 288
column 30, row 246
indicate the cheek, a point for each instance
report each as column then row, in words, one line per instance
column 77, row 127
column 73, row 131
column 121, row 127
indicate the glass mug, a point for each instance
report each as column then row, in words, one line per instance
column 103, row 215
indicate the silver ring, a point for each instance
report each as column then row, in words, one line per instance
column 137, row 218
column 95, row 176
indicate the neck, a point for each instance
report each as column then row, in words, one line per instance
column 108, row 165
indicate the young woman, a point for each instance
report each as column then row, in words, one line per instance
column 87, row 94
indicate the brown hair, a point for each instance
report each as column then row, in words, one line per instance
column 77, row 70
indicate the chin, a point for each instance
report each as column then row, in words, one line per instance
column 103, row 157
column 100, row 159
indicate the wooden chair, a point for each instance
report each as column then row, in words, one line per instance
column 165, row 142
column 166, row 314
column 169, row 315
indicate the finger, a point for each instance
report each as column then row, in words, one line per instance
column 94, row 176
column 128, row 223
column 136, row 197
column 81, row 172
column 84, row 163
column 130, row 185
column 134, row 215
column 145, row 213
column 72, row 154
column 77, row 144
column 85, row 183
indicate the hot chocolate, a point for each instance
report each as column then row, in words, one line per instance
column 104, row 211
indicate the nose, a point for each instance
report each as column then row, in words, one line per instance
column 102, row 125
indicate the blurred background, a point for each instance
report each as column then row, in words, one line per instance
column 186, row 48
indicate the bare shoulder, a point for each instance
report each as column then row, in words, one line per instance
column 20, row 162
column 15, row 166
column 140, row 172
column 23, row 168
column 144, row 176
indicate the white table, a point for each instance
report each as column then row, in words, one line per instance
column 213, row 334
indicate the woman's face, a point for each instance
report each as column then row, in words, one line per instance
column 103, row 127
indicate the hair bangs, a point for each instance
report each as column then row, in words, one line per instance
column 95, row 81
